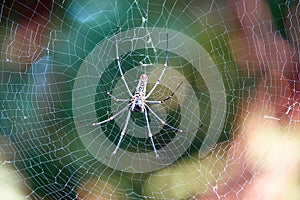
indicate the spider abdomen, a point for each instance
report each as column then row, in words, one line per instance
column 141, row 87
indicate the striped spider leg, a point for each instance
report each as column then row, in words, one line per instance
column 138, row 101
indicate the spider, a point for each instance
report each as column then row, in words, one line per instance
column 138, row 101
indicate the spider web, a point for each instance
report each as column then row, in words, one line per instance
column 236, row 60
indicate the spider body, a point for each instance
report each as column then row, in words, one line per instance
column 138, row 100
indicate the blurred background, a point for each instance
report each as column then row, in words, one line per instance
column 238, row 60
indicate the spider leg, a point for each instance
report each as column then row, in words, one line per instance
column 150, row 135
column 121, row 136
column 112, row 117
column 110, row 95
column 118, row 62
column 165, row 123
column 165, row 99
column 163, row 71
column 162, row 121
